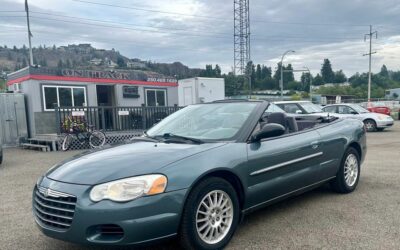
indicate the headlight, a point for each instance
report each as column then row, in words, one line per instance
column 130, row 188
column 381, row 117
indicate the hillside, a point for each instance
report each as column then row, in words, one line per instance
column 86, row 57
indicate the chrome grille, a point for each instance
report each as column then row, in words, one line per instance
column 54, row 209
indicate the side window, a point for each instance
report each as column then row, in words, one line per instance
column 330, row 109
column 292, row 108
column 345, row 110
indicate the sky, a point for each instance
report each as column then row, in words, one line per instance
column 200, row 32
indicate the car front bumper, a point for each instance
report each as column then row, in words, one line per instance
column 143, row 220
column 384, row 123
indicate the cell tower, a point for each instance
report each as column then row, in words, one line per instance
column 241, row 35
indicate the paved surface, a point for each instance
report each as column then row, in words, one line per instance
column 369, row 218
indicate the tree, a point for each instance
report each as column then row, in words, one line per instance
column 305, row 81
column 54, row 47
column 24, row 63
column 9, row 57
column 258, row 72
column 60, row 64
column 15, row 48
column 266, row 72
column 68, row 64
column 217, row 71
column 384, row 71
column 326, row 72
column 340, row 77
column 121, row 62
column 318, row 80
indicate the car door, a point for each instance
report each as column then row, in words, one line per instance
column 279, row 166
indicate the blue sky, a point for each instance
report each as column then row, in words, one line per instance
column 316, row 29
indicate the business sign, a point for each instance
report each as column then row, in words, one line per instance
column 78, row 113
column 123, row 112
column 95, row 74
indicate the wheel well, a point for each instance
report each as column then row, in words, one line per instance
column 369, row 119
column 357, row 147
column 232, row 179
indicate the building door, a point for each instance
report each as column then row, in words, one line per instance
column 12, row 119
column 187, row 96
column 106, row 102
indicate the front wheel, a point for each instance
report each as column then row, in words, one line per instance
column 210, row 216
column 349, row 173
column 97, row 139
column 66, row 142
column 370, row 125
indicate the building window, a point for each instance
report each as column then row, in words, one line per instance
column 63, row 96
column 156, row 97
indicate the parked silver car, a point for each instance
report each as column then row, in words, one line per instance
column 303, row 108
column 372, row 121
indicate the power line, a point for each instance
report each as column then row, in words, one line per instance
column 370, row 35
column 213, row 17
column 199, row 34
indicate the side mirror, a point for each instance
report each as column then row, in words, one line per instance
column 354, row 113
column 299, row 112
column 269, row 130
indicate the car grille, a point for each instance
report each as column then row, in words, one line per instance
column 54, row 209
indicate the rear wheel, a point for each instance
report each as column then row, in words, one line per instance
column 370, row 125
column 210, row 216
column 349, row 173
column 66, row 142
column 97, row 139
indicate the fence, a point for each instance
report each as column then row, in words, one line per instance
column 108, row 118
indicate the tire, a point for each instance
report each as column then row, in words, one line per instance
column 196, row 218
column 1, row 158
column 66, row 142
column 347, row 183
column 370, row 125
column 97, row 139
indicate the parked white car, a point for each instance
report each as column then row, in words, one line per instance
column 372, row 121
column 302, row 108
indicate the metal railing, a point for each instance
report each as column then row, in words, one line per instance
column 110, row 118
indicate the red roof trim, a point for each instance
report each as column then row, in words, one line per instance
column 90, row 80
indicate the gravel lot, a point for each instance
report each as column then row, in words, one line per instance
column 369, row 218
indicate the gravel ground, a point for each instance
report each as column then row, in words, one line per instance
column 368, row 218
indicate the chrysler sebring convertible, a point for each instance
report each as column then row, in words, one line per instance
column 195, row 175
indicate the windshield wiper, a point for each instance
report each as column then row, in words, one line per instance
column 146, row 137
column 167, row 136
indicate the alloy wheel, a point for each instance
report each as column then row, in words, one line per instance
column 214, row 216
column 351, row 170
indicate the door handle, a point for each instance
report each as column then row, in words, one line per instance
column 315, row 144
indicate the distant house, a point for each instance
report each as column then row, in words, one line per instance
column 109, row 63
column 96, row 61
column 136, row 63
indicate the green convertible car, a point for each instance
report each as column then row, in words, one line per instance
column 195, row 174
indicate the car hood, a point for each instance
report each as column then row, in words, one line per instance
column 122, row 161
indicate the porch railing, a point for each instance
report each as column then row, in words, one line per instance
column 109, row 118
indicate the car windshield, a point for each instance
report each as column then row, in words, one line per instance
column 215, row 121
column 358, row 108
column 310, row 107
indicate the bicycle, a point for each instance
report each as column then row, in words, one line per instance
column 83, row 132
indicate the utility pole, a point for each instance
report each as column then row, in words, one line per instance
column 241, row 35
column 281, row 81
column 29, row 34
column 370, row 35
